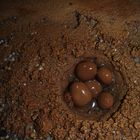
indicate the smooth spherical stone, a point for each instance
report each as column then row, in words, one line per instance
column 80, row 93
column 94, row 87
column 105, row 100
column 86, row 70
column 105, row 75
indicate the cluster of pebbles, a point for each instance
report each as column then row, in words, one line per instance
column 91, row 89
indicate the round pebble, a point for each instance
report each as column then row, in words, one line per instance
column 105, row 75
column 86, row 70
column 94, row 87
column 105, row 100
column 80, row 94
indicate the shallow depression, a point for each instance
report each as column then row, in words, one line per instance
column 94, row 88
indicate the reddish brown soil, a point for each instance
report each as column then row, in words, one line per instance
column 40, row 40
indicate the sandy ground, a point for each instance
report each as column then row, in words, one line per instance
column 40, row 41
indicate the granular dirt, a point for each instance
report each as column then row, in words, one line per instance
column 40, row 41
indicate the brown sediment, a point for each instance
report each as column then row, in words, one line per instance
column 41, row 41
